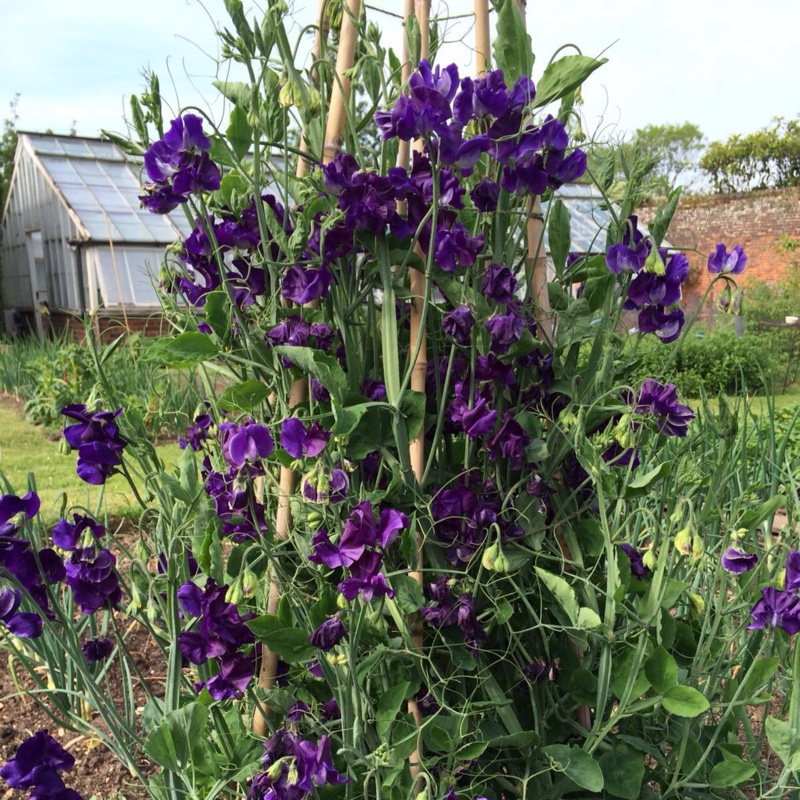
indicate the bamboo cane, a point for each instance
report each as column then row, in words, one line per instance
column 416, row 448
column 334, row 132
column 483, row 51
column 406, row 68
column 537, row 259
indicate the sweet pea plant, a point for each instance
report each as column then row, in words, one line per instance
column 426, row 544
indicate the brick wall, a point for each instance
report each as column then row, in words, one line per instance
column 756, row 220
column 110, row 325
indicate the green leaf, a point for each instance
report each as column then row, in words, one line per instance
column 218, row 312
column 412, row 407
column 389, row 705
column 563, row 76
column 289, row 643
column 760, row 673
column 661, row 670
column 512, row 44
column 239, row 133
column 575, row 323
column 182, row 350
column 685, row 701
column 180, row 739
column 590, row 536
column 324, row 367
column 640, row 485
column 235, row 91
column 730, row 772
column 562, row 591
column 577, row 765
column 408, row 594
column 244, row 396
column 558, row 235
column 472, row 750
column 583, row 687
column 782, row 739
column 588, row 619
column 755, row 516
column 623, row 770
column 347, row 418
column 623, row 664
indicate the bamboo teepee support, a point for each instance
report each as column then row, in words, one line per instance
column 483, row 49
column 406, row 68
column 334, row 134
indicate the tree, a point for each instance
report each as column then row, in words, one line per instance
column 669, row 153
column 766, row 159
column 8, row 146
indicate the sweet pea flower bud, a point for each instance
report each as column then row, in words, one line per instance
column 649, row 559
column 698, row 604
column 683, row 542
column 655, row 263
column 490, row 555
column 724, row 299
column 292, row 775
column 698, row 547
column 63, row 447
column 623, row 432
column 275, row 770
column 235, row 594
column 342, row 602
column 501, row 563
column 152, row 612
column 250, row 583
column 737, row 303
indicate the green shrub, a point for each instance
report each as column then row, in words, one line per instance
column 717, row 362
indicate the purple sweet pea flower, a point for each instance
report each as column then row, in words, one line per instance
column 23, row 624
column 97, row 649
column 67, row 535
column 776, row 609
column 236, row 671
column 14, row 509
column 541, row 670
column 36, row 764
column 91, row 576
column 301, row 442
column 736, row 562
column 245, row 444
column 368, row 588
column 666, row 325
column 301, row 284
column 733, row 263
column 505, row 330
column 638, row 568
column 659, row 289
column 793, row 571
column 630, row 254
column 97, row 439
column 329, row 634
column 485, row 195
column 458, row 324
column 661, row 402
column 509, row 442
column 324, row 485
column 499, row 283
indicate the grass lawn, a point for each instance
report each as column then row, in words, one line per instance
column 758, row 403
column 26, row 449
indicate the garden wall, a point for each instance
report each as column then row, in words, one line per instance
column 766, row 223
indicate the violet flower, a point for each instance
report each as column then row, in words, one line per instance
column 485, row 195
column 499, row 283
column 98, row 649
column 630, row 254
column 793, row 571
column 91, row 576
column 13, row 510
column 541, row 670
column 245, row 444
column 733, row 263
column 329, row 634
column 661, row 402
column 67, row 535
column 23, row 624
column 638, row 568
column 666, row 325
column 36, row 765
column 737, row 562
column 776, row 609
column 458, row 325
column 301, row 442
column 98, row 441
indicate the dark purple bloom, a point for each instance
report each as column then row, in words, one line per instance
column 458, row 324
column 197, row 433
column 454, row 247
column 733, row 263
column 301, row 442
column 178, row 165
column 661, row 402
column 330, row 710
column 24, row 624
column 294, row 330
column 36, row 764
column 301, row 284
column 485, row 195
column 638, row 567
column 91, row 576
column 338, row 175
column 499, row 283
column 793, row 571
column 666, row 325
column 776, row 609
column 541, row 670
column 374, row 390
column 329, row 634
column 509, row 442
column 14, row 509
column 736, row 561
column 245, row 444
column 323, row 485
column 97, row 649
column 373, row 586
column 236, row 670
column 479, row 420
column 505, row 330
column 659, row 289
column 446, row 612
column 98, row 441
column 632, row 252
column 67, row 535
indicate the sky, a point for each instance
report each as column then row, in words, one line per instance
column 725, row 66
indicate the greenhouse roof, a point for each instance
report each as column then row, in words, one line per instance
column 99, row 184
column 588, row 219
